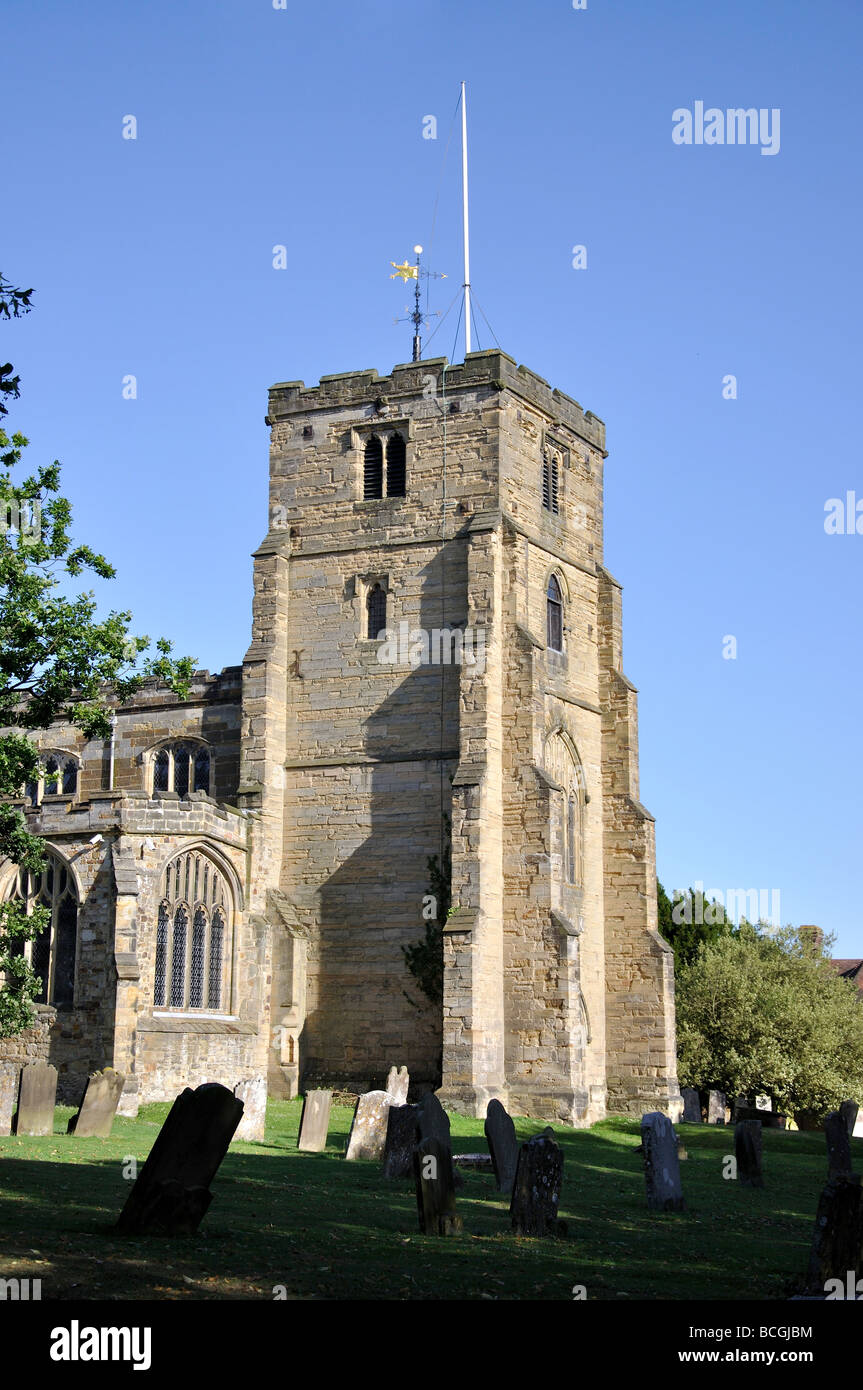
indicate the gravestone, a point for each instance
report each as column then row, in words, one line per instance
column 848, row 1111
column 8, row 1095
column 435, row 1189
column 661, row 1165
column 36, row 1099
column 768, row 1119
column 837, row 1240
column 691, row 1105
column 474, row 1163
column 314, row 1121
column 401, row 1141
column 99, row 1105
column 502, row 1145
column 763, row 1103
column 533, row 1207
column 369, row 1129
column 433, row 1123
column 838, row 1145
column 398, row 1082
column 171, row 1194
column 716, row 1108
column 747, row 1151
column 253, row 1094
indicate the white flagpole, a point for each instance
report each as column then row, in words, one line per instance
column 466, row 285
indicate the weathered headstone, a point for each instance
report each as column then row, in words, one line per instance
column 435, row 1189
column 502, row 1145
column 837, row 1241
column 99, row 1105
column 369, row 1129
column 253, row 1094
column 535, row 1200
column 763, row 1103
column 747, row 1151
column 838, row 1145
column 171, row 1193
column 315, row 1121
column 661, row 1165
column 691, row 1106
column 716, row 1108
column 768, row 1119
column 848, row 1111
column 401, row 1141
column 433, row 1123
column 8, row 1095
column 398, row 1082
column 474, row 1163
column 36, row 1099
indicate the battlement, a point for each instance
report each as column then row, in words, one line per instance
column 492, row 369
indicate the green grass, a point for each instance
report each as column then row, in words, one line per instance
column 325, row 1228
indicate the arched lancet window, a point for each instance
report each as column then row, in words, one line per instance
column 373, row 468
column 376, row 607
column 563, row 768
column 57, row 775
column 181, row 768
column 395, row 466
column 52, row 953
column 554, row 604
column 192, row 932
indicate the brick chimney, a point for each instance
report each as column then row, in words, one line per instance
column 813, row 937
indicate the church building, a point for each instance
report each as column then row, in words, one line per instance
column 436, row 650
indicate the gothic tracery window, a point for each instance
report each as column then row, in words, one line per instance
column 191, row 932
column 52, row 953
column 181, row 768
column 58, row 775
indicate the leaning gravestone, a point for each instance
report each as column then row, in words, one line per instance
column 502, row 1145
column 837, row 1241
column 369, row 1129
column 36, row 1099
column 661, row 1165
column 253, row 1094
column 433, row 1123
column 400, row 1142
column 398, row 1082
column 848, row 1111
column 691, row 1106
column 99, row 1105
column 435, row 1189
column 535, row 1200
column 716, row 1108
column 171, row 1194
column 315, row 1121
column 8, row 1095
column 838, row 1146
column 747, row 1151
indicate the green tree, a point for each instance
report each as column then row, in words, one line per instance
column 57, row 660
column 424, row 958
column 688, row 921
column 761, row 1013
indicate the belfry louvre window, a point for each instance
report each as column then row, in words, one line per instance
column 191, row 934
column 59, row 775
column 550, row 476
column 52, row 953
column 376, row 608
column 181, row 768
column 554, row 605
column 395, row 466
column 373, row 468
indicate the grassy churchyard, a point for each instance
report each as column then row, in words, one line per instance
column 326, row 1229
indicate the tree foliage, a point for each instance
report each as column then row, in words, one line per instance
column 58, row 659
column 424, row 958
column 689, row 921
column 761, row 1013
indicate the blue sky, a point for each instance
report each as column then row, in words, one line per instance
column 303, row 127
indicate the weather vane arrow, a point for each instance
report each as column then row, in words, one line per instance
column 405, row 272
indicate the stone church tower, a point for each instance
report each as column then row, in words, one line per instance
column 435, row 642
column 439, row 507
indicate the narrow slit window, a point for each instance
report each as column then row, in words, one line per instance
column 376, row 606
column 395, row 466
column 554, row 603
column 373, row 468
